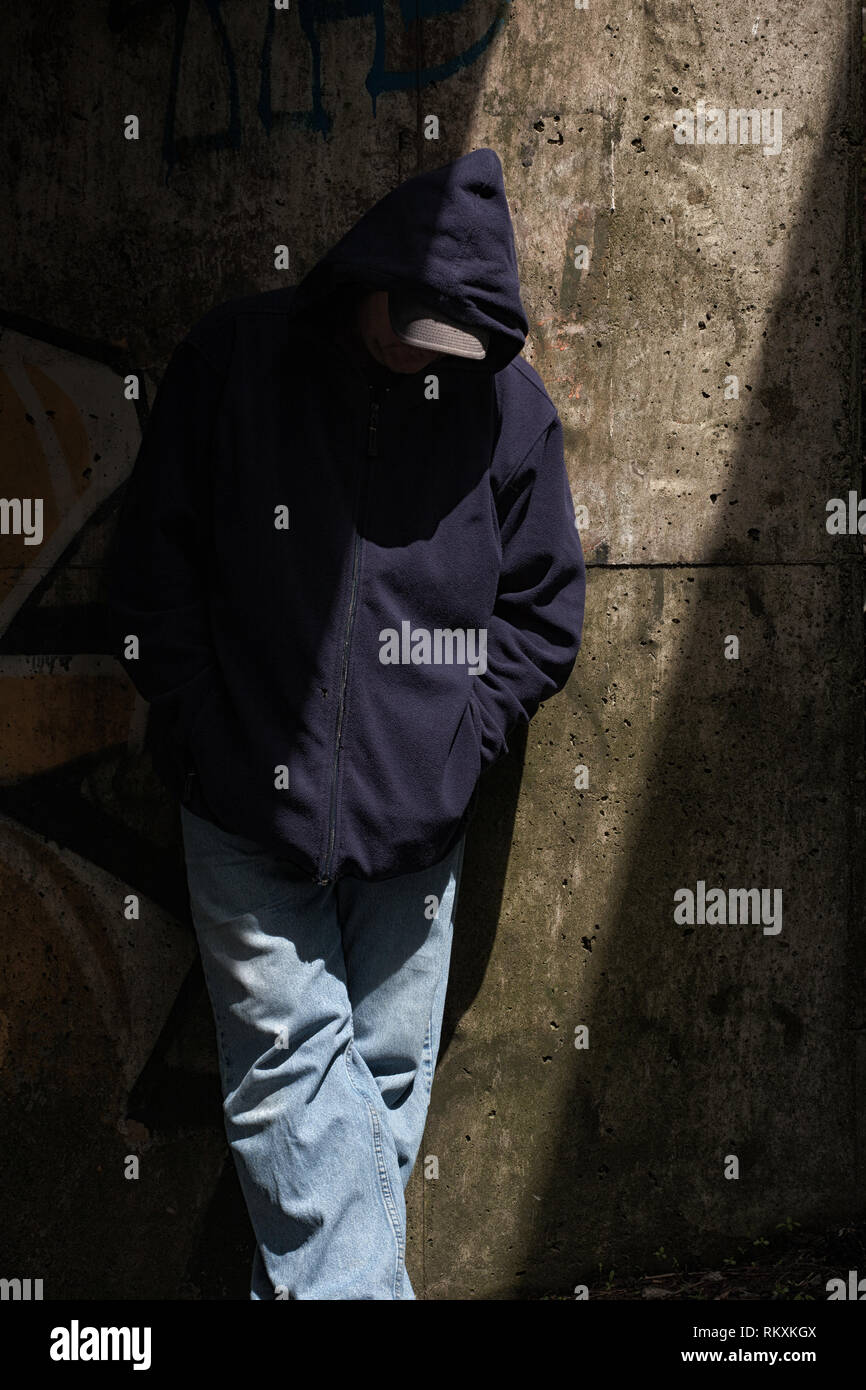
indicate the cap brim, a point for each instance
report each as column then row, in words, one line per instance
column 415, row 324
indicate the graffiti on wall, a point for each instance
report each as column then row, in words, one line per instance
column 309, row 18
column 88, row 989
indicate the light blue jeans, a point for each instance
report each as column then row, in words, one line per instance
column 328, row 1003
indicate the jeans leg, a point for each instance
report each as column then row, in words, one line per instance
column 312, row 1145
column 397, row 937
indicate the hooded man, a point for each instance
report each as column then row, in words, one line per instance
column 346, row 567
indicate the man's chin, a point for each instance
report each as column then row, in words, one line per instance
column 398, row 364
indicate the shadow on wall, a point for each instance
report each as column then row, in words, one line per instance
column 707, row 1041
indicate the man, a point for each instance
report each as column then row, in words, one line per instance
column 346, row 567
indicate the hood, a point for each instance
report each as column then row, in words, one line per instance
column 447, row 235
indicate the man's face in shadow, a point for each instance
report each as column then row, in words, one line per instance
column 373, row 325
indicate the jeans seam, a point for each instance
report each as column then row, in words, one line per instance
column 385, row 1186
column 427, row 1050
column 222, row 1040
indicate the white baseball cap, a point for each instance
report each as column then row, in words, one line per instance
column 419, row 324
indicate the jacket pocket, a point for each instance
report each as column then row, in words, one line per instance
column 202, row 704
column 468, row 722
column 477, row 729
column 462, row 766
column 193, row 787
column 173, row 719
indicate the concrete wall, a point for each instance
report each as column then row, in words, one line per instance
column 705, row 365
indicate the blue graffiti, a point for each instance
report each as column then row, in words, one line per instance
column 312, row 16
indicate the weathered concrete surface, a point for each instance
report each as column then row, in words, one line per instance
column 703, row 1041
column 706, row 518
column 708, row 263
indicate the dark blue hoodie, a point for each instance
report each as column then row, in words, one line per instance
column 311, row 546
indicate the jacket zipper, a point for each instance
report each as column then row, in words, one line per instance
column 372, row 452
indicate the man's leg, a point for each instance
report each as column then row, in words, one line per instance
column 397, row 936
column 308, row 1130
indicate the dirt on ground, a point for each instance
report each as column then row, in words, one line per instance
column 792, row 1266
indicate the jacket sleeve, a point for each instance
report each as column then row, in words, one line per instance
column 534, row 634
column 158, row 565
